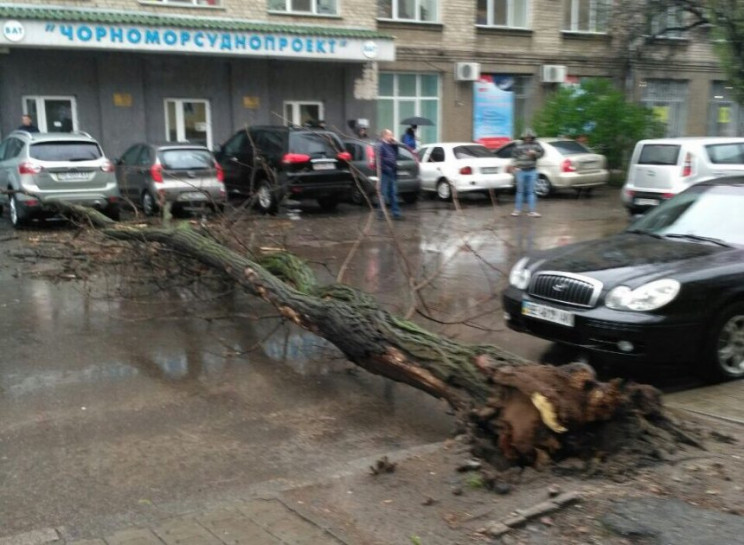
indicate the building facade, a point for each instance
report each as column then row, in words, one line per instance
column 165, row 70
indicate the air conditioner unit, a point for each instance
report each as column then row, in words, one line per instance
column 554, row 73
column 467, row 71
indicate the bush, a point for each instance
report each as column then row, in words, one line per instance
column 599, row 111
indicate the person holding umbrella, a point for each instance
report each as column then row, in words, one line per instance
column 409, row 138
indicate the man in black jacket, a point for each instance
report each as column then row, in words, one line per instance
column 27, row 124
column 525, row 157
column 387, row 160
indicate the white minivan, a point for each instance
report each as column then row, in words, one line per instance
column 661, row 168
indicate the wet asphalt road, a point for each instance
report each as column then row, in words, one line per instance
column 115, row 411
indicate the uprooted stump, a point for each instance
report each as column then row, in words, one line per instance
column 514, row 411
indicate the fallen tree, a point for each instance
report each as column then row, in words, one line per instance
column 513, row 411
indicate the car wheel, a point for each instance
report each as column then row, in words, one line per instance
column 18, row 216
column 328, row 203
column 725, row 347
column 266, row 201
column 149, row 204
column 726, row 344
column 543, row 187
column 357, row 197
column 410, row 198
column 444, row 190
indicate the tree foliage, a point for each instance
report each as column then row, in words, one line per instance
column 598, row 110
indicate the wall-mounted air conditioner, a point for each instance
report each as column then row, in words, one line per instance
column 554, row 73
column 467, row 71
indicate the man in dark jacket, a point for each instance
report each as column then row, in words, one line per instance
column 387, row 161
column 27, row 124
column 525, row 157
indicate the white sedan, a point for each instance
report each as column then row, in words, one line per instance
column 461, row 167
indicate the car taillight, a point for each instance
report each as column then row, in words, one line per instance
column 156, row 172
column 29, row 167
column 344, row 156
column 220, row 172
column 687, row 166
column 371, row 160
column 667, row 195
column 107, row 166
column 466, row 170
column 567, row 166
column 292, row 158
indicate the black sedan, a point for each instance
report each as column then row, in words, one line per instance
column 668, row 289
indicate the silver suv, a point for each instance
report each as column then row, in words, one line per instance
column 41, row 167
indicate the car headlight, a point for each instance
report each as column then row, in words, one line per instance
column 650, row 296
column 519, row 277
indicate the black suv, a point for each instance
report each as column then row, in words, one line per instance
column 271, row 162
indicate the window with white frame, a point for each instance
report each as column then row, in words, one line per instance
column 671, row 18
column 503, row 13
column 303, row 113
column 668, row 100
column 725, row 115
column 311, row 7
column 422, row 11
column 188, row 120
column 52, row 113
column 402, row 95
column 586, row 15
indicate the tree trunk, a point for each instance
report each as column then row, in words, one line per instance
column 515, row 411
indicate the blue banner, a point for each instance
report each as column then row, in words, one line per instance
column 493, row 110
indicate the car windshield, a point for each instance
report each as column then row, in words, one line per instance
column 65, row 151
column 405, row 155
column 465, row 152
column 569, row 147
column 700, row 213
column 314, row 144
column 186, row 159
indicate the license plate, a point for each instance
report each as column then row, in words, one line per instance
column 646, row 202
column 403, row 173
column 73, row 176
column 323, row 166
column 192, row 196
column 490, row 170
column 549, row 314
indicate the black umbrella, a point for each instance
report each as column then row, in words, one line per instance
column 418, row 121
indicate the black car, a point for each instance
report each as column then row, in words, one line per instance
column 364, row 165
column 271, row 162
column 668, row 289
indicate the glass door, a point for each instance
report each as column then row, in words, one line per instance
column 303, row 113
column 52, row 114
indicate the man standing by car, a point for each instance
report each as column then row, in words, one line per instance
column 525, row 157
column 387, row 161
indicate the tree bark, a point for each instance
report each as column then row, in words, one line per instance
column 515, row 411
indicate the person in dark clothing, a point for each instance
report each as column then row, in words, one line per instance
column 525, row 157
column 409, row 138
column 387, row 160
column 27, row 124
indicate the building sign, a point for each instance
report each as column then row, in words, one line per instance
column 122, row 100
column 493, row 110
column 251, row 102
column 177, row 40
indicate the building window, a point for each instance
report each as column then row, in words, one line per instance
column 671, row 18
column 188, row 120
column 303, row 114
column 188, row 2
column 668, row 100
column 586, row 15
column 52, row 113
column 423, row 11
column 312, row 7
column 725, row 115
column 502, row 13
column 406, row 95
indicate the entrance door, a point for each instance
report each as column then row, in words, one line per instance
column 52, row 113
column 188, row 120
column 303, row 113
